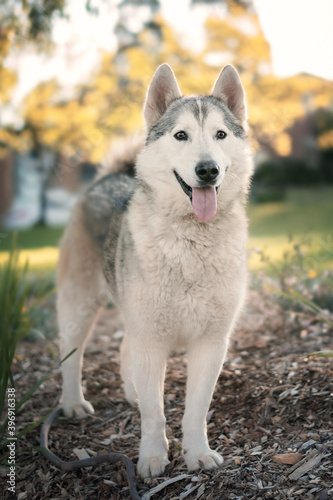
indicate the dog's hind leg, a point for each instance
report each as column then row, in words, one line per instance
column 80, row 288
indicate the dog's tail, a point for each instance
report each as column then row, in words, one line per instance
column 121, row 156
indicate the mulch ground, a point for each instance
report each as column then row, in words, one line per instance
column 271, row 416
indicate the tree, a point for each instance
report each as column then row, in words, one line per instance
column 110, row 104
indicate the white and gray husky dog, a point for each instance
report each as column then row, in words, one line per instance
column 167, row 237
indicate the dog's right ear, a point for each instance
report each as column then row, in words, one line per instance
column 163, row 89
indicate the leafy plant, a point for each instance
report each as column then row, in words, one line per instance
column 322, row 354
column 26, row 397
column 310, row 292
column 20, row 301
column 320, row 313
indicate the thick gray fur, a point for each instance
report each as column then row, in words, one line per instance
column 104, row 205
column 169, row 118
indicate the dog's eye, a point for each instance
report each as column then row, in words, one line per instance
column 220, row 134
column 181, row 136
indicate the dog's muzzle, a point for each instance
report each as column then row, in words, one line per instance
column 207, row 172
column 203, row 198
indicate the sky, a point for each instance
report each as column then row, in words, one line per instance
column 300, row 35
column 299, row 32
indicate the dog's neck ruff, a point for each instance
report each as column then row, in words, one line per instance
column 203, row 199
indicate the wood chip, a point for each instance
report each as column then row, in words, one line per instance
column 209, row 416
column 306, row 467
column 287, row 458
column 201, row 491
column 185, row 494
column 271, row 426
column 160, row 487
column 81, row 453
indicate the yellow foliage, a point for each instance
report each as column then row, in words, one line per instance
column 7, row 80
column 111, row 103
column 282, row 144
column 20, row 142
column 325, row 140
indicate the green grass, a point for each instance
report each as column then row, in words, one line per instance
column 305, row 212
column 39, row 245
column 304, row 215
column 36, row 237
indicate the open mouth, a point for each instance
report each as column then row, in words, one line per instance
column 187, row 189
column 203, row 199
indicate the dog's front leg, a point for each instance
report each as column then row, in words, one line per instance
column 148, row 365
column 205, row 359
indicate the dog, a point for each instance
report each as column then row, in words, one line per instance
column 164, row 228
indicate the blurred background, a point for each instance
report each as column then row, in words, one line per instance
column 73, row 76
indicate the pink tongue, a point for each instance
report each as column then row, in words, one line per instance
column 204, row 202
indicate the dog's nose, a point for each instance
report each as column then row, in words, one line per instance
column 207, row 171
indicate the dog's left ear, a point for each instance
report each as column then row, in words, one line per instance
column 229, row 88
column 163, row 89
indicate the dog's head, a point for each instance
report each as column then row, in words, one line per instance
column 196, row 149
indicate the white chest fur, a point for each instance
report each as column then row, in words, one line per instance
column 188, row 278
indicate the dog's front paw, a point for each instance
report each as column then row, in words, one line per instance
column 152, row 466
column 207, row 459
column 79, row 410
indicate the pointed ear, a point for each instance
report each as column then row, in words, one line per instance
column 229, row 88
column 163, row 89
